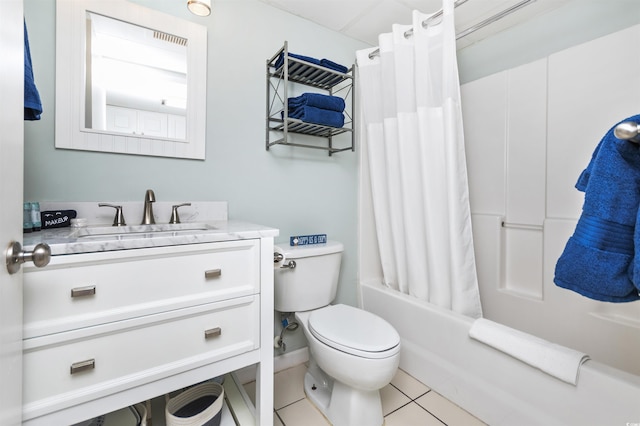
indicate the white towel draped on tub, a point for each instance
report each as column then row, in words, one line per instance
column 556, row 360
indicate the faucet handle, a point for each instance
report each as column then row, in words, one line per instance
column 174, row 213
column 118, row 220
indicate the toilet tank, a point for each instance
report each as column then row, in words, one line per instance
column 314, row 280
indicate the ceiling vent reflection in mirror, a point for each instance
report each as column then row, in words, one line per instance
column 170, row 38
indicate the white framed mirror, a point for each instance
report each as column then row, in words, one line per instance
column 129, row 80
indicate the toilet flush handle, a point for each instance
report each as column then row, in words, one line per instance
column 277, row 257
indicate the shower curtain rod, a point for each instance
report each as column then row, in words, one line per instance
column 469, row 30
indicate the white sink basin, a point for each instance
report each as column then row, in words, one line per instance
column 138, row 231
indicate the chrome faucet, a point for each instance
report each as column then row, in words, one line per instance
column 147, row 217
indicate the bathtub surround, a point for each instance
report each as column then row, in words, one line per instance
column 524, row 157
column 411, row 134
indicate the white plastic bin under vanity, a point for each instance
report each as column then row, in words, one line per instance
column 200, row 405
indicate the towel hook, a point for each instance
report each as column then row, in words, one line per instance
column 628, row 130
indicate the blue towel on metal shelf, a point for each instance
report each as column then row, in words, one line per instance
column 598, row 260
column 280, row 60
column 322, row 62
column 314, row 115
column 318, row 100
column 32, row 103
column 333, row 65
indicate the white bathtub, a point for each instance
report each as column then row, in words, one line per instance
column 493, row 386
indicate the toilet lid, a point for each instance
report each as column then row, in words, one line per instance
column 354, row 331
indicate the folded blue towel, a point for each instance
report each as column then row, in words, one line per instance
column 314, row 115
column 598, row 260
column 280, row 60
column 322, row 62
column 32, row 103
column 318, row 100
column 333, row 65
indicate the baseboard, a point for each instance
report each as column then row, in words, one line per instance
column 290, row 359
column 281, row 362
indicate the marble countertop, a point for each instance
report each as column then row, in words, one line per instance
column 101, row 238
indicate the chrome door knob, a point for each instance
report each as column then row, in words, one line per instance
column 40, row 256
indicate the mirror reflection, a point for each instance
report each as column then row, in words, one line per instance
column 136, row 79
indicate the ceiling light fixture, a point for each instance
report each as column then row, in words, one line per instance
column 199, row 7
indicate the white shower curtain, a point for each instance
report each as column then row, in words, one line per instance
column 411, row 134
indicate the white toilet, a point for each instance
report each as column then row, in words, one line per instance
column 353, row 353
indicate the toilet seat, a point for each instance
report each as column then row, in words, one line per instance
column 354, row 331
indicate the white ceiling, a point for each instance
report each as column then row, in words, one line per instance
column 365, row 19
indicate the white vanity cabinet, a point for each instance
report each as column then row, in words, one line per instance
column 109, row 329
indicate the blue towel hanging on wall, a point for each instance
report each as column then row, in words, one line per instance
column 32, row 103
column 602, row 258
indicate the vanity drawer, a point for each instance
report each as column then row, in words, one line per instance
column 59, row 369
column 84, row 290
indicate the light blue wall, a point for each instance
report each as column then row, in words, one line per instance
column 299, row 191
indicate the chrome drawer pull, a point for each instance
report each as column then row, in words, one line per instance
column 212, row 273
column 212, row 332
column 78, row 367
column 89, row 290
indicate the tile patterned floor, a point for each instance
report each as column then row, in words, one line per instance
column 405, row 402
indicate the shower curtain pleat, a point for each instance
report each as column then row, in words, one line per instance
column 412, row 128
